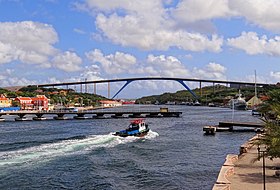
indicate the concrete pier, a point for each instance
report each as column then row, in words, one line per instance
column 230, row 127
column 240, row 124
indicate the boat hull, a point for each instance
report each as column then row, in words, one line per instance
column 140, row 134
column 240, row 106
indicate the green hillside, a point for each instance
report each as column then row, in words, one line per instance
column 217, row 94
column 67, row 97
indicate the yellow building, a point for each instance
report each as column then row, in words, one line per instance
column 5, row 102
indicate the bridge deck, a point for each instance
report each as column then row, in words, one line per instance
column 86, row 112
column 95, row 114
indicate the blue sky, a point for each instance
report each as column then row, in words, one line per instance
column 46, row 41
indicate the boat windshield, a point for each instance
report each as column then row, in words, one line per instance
column 133, row 126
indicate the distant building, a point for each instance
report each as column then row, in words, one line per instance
column 39, row 91
column 110, row 103
column 40, row 102
column 254, row 101
column 5, row 102
column 54, row 92
column 63, row 92
column 127, row 101
column 24, row 102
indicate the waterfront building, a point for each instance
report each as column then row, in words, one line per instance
column 4, row 101
column 109, row 103
column 40, row 102
column 24, row 102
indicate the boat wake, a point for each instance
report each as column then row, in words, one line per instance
column 49, row 151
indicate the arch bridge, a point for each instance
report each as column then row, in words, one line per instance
column 129, row 80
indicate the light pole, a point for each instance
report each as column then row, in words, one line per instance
column 263, row 157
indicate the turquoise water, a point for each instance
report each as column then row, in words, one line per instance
column 83, row 154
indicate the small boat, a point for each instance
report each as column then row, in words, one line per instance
column 196, row 103
column 238, row 104
column 255, row 112
column 136, row 128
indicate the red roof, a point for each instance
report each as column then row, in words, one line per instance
column 2, row 98
column 24, row 98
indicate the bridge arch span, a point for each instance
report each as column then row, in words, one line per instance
column 180, row 81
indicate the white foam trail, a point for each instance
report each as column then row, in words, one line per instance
column 151, row 135
column 49, row 151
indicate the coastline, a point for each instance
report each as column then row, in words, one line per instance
column 241, row 172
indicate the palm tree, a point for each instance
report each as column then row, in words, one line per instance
column 271, row 111
column 271, row 139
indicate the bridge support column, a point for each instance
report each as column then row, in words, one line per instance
column 127, row 82
column 21, row 117
column 39, row 117
column 109, row 90
column 80, row 116
column 94, row 88
column 182, row 83
column 200, row 89
column 60, row 117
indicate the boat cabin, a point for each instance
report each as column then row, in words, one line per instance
column 138, row 124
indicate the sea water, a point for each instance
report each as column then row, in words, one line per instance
column 83, row 154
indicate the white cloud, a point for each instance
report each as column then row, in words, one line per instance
column 160, row 25
column 259, row 79
column 188, row 11
column 91, row 73
column 67, row 61
column 167, row 66
column 6, row 53
column 129, row 31
column 8, row 77
column 113, row 63
column 146, row 25
column 264, row 14
column 252, row 44
column 212, row 70
column 28, row 42
column 275, row 75
column 79, row 31
column 33, row 43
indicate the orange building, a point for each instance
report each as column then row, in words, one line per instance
column 5, row 102
column 40, row 102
